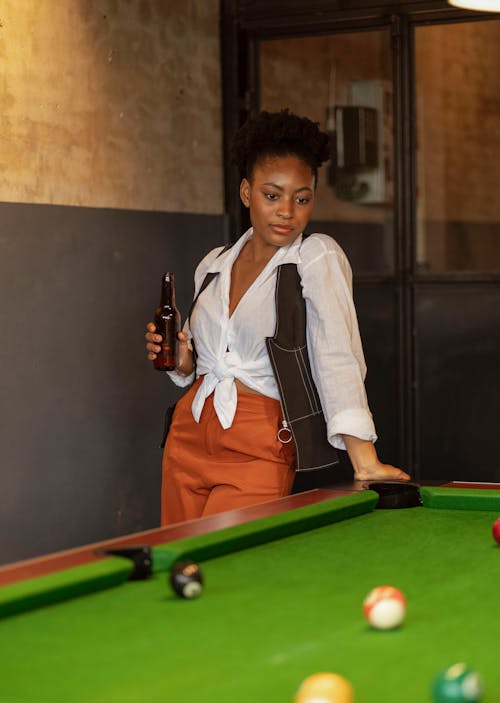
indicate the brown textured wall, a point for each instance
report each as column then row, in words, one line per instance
column 111, row 103
column 458, row 110
column 458, row 145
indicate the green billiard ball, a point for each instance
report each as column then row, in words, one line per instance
column 458, row 684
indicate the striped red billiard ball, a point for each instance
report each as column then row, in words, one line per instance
column 496, row 530
column 186, row 579
column 385, row 607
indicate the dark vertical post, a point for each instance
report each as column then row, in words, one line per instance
column 237, row 103
column 404, row 240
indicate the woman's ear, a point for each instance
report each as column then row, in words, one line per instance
column 245, row 192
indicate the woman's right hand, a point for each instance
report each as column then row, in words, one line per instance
column 185, row 349
column 153, row 341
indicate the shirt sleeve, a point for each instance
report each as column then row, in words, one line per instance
column 199, row 275
column 333, row 339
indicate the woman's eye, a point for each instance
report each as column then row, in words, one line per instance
column 271, row 196
column 303, row 201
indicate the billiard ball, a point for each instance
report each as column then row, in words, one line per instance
column 496, row 530
column 457, row 684
column 186, row 579
column 384, row 607
column 325, row 688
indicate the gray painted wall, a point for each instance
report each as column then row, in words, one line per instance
column 80, row 406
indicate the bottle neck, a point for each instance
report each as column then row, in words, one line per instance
column 167, row 290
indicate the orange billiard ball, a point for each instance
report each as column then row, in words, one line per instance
column 325, row 687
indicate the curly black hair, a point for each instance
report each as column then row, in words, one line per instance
column 279, row 134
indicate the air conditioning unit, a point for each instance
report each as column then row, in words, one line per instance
column 364, row 169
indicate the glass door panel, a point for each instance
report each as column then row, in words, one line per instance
column 457, row 98
column 344, row 82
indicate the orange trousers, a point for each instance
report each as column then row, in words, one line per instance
column 207, row 469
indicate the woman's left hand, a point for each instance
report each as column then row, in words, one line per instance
column 184, row 354
column 380, row 472
column 367, row 466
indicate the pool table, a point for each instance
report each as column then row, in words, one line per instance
column 284, row 585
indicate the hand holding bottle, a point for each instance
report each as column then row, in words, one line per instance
column 184, row 349
column 167, row 323
column 153, row 341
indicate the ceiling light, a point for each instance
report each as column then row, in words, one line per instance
column 482, row 5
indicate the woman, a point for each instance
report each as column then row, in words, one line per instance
column 229, row 442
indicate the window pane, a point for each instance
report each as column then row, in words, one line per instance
column 344, row 82
column 458, row 146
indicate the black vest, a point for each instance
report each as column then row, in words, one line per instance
column 289, row 358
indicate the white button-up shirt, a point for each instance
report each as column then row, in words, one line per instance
column 234, row 347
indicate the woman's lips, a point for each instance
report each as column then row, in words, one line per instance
column 282, row 229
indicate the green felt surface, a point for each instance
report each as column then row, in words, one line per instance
column 273, row 614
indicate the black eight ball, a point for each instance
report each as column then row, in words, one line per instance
column 186, row 579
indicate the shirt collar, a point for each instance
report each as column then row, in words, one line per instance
column 284, row 255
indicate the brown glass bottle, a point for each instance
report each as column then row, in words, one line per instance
column 167, row 321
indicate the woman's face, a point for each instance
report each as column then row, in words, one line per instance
column 280, row 197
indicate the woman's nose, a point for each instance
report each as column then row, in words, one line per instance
column 285, row 209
